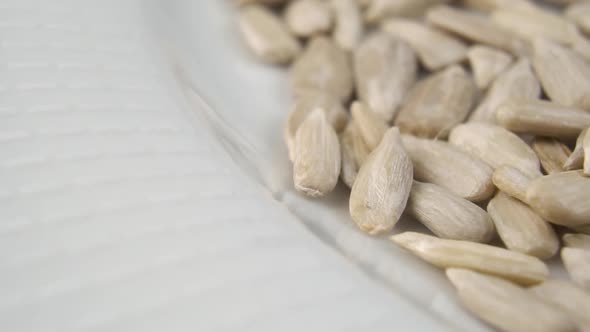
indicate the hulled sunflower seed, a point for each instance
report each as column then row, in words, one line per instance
column 542, row 118
column 565, row 76
column 561, row 198
column 521, row 229
column 316, row 165
column 568, row 297
column 511, row 265
column 306, row 18
column 487, row 63
column 381, row 189
column 577, row 264
column 475, row 27
column 530, row 22
column 382, row 9
column 266, row 35
column 385, row 69
column 444, row 165
column 511, row 181
column 448, row 215
column 496, row 146
column 505, row 305
column 435, row 49
column 552, row 154
column 325, row 67
column 371, row 125
column 304, row 105
column 437, row 104
column 348, row 23
column 517, row 82
column 354, row 153
column 581, row 241
column 586, row 148
column 491, row 5
column 576, row 159
column 579, row 13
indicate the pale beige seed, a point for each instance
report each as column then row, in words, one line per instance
column 496, row 146
column 511, row 265
column 568, row 297
column 517, row 82
column 381, row 189
column 505, row 305
column 325, row 67
column 542, row 118
column 576, row 159
column 437, row 103
column 304, row 105
column 354, row 153
column 561, row 198
column 521, row 229
column 435, row 48
column 440, row 163
column 448, row 215
column 552, row 153
column 306, row 18
column 475, row 27
column 379, row 10
column 371, row 125
column 581, row 241
column 579, row 13
column 266, row 35
column 530, row 22
column 487, row 63
column 565, row 76
column 491, row 5
column 385, row 69
column 511, row 181
column 348, row 23
column 586, row 148
column 316, row 165
column 577, row 264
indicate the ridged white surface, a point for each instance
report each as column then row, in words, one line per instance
column 121, row 210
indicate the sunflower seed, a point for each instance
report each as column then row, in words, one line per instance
column 440, row 163
column 577, row 264
column 581, row 241
column 483, row 258
column 266, row 35
column 561, row 198
column 552, row 154
column 381, row 189
column 316, row 165
column 579, row 13
column 348, row 23
column 568, row 297
column 529, row 22
column 511, row 181
column 518, row 82
column 324, row 67
column 505, row 305
column 371, row 125
column 496, row 146
column 491, row 5
column 436, row 49
column 306, row 18
column 576, row 159
column 304, row 105
column 382, row 9
column 521, row 229
column 542, row 118
column 437, row 103
column 448, row 215
column 565, row 76
column 487, row 63
column 586, row 148
column 354, row 153
column 385, row 69
column 475, row 27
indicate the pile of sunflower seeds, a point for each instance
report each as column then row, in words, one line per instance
column 470, row 117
